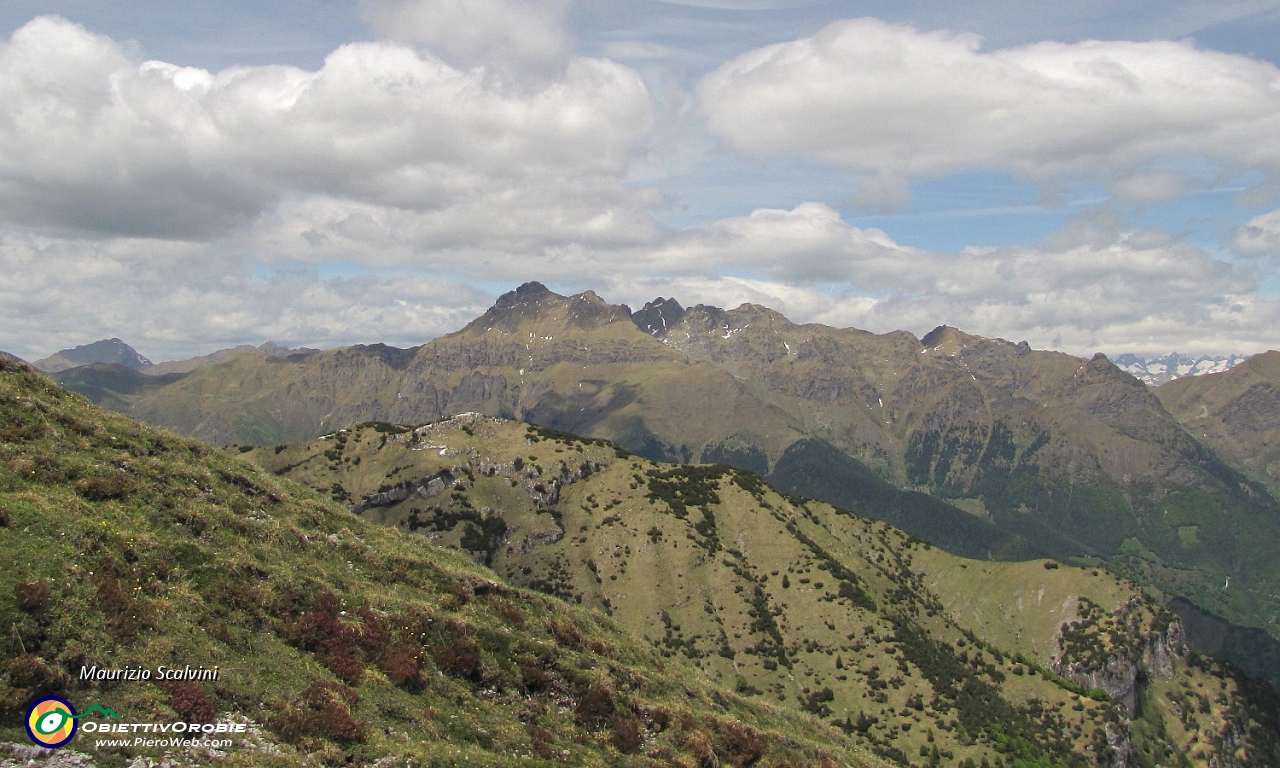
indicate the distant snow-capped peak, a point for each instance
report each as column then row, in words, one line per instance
column 1158, row 370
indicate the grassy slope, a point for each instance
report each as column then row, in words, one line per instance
column 711, row 565
column 346, row 641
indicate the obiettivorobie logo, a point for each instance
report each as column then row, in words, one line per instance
column 52, row 722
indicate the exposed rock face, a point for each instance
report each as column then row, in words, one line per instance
column 1159, row 651
column 1138, row 651
column 1149, row 653
column 1225, row 754
column 425, row 487
column 1119, row 745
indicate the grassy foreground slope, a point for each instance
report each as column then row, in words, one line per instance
column 344, row 642
column 931, row 658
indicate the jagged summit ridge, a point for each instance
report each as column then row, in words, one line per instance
column 658, row 316
column 534, row 308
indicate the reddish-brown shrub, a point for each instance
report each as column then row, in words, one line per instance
column 126, row 614
column 189, row 701
column 30, row 672
column 458, row 594
column 626, row 734
column 742, row 744
column 103, row 487
column 325, row 712
column 32, row 596
column 595, row 705
column 541, row 741
column 399, row 662
column 534, row 678
column 342, row 646
column 700, row 744
column 512, row 613
column 458, row 652
column 565, row 633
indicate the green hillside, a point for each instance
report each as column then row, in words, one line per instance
column 339, row 642
column 930, row 658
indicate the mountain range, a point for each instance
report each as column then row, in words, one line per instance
column 980, row 446
column 1149, row 370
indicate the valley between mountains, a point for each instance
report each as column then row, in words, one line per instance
column 982, row 447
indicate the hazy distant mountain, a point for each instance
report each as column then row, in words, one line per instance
column 1159, row 370
column 117, row 352
column 112, row 351
column 269, row 349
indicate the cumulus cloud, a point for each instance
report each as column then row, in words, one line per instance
column 1260, row 237
column 894, row 102
column 167, row 151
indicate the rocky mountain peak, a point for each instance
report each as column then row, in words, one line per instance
column 534, row 308
column 531, row 292
column 658, row 316
column 946, row 340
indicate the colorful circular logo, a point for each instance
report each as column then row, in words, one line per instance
column 51, row 722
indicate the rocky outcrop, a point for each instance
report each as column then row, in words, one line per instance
column 1118, row 744
column 1143, row 651
column 1161, row 650
column 425, row 487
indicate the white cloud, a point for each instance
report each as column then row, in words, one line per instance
column 161, row 150
column 889, row 100
column 1261, row 236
